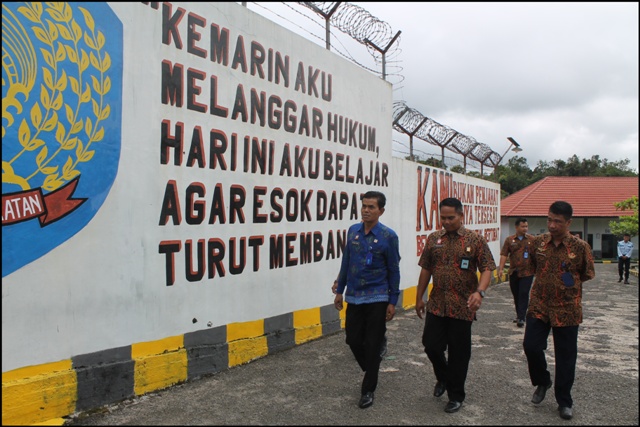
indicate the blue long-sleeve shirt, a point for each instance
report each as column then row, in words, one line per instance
column 377, row 281
column 625, row 248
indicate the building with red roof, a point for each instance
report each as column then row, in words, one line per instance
column 592, row 199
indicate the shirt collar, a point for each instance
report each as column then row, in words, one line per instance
column 375, row 230
column 566, row 239
column 460, row 231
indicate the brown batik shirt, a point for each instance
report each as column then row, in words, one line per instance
column 442, row 256
column 556, row 294
column 520, row 254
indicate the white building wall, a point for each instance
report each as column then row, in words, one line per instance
column 106, row 285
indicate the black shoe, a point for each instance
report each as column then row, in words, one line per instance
column 566, row 413
column 439, row 389
column 453, row 406
column 626, row 282
column 366, row 400
column 383, row 350
column 541, row 391
column 520, row 323
column 515, row 320
column 620, row 280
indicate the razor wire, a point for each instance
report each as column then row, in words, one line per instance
column 365, row 29
column 358, row 23
column 411, row 122
column 372, row 32
column 393, row 69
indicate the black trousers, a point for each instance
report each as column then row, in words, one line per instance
column 453, row 335
column 624, row 264
column 565, row 345
column 365, row 326
column 520, row 288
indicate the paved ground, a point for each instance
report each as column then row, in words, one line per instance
column 318, row 383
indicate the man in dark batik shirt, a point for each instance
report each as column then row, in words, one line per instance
column 562, row 263
column 452, row 257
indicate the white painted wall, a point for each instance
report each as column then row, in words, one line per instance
column 106, row 286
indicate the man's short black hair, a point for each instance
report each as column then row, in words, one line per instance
column 452, row 202
column 562, row 208
column 380, row 198
column 520, row 220
column 627, row 234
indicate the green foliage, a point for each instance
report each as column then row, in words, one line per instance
column 595, row 166
column 457, row 169
column 431, row 161
column 626, row 224
column 516, row 174
column 513, row 176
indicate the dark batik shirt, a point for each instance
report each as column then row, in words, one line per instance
column 452, row 286
column 556, row 293
column 515, row 249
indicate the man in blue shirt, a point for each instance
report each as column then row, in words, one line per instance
column 370, row 272
column 625, row 249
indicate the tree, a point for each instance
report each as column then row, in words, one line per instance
column 516, row 174
column 432, row 161
column 626, row 224
column 513, row 176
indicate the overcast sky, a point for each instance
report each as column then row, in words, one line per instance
column 560, row 78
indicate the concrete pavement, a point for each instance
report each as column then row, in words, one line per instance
column 318, row 383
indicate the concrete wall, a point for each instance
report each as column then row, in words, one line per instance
column 196, row 169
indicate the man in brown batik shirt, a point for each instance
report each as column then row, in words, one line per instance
column 452, row 256
column 562, row 263
column 517, row 249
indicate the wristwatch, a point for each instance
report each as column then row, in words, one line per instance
column 481, row 293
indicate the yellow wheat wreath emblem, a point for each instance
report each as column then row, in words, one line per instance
column 55, row 133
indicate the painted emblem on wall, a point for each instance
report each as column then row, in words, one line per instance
column 61, row 122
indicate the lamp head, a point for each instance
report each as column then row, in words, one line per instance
column 516, row 146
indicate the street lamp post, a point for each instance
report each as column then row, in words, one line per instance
column 515, row 147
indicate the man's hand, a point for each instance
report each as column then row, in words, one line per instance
column 420, row 308
column 334, row 287
column 337, row 302
column 474, row 301
column 391, row 311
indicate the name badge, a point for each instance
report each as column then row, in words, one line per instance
column 465, row 263
column 567, row 277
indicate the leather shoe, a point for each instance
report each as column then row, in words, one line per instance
column 366, row 400
column 626, row 282
column 539, row 394
column 620, row 280
column 520, row 323
column 452, row 406
column 566, row 413
column 439, row 389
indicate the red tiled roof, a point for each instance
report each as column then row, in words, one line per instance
column 589, row 196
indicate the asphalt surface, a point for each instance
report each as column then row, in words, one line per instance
column 318, row 383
